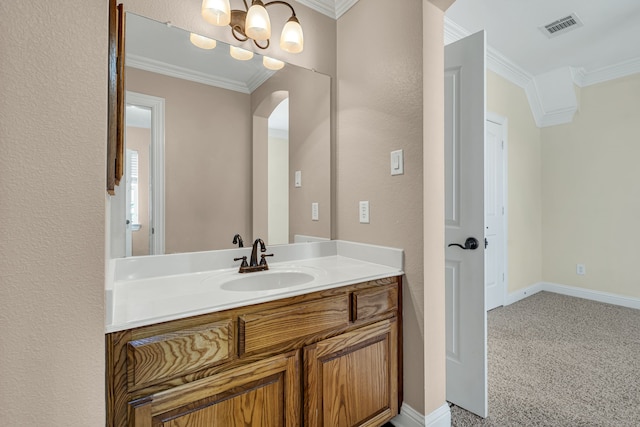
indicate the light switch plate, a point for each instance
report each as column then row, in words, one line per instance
column 397, row 162
column 364, row 212
column 298, row 179
column 314, row 211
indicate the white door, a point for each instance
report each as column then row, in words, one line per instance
column 494, row 210
column 127, row 206
column 466, row 318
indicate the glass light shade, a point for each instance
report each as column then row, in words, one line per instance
column 240, row 54
column 258, row 25
column 292, row 39
column 216, row 12
column 202, row 42
column 272, row 64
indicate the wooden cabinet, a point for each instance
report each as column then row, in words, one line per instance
column 263, row 393
column 329, row 358
column 351, row 380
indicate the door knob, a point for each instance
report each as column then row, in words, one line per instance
column 471, row 243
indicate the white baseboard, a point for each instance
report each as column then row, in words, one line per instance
column 409, row 417
column 573, row 291
column 441, row 417
column 523, row 293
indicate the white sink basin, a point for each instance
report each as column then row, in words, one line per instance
column 268, row 280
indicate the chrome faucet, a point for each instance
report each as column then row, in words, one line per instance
column 253, row 264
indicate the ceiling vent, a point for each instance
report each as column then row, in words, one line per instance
column 562, row 25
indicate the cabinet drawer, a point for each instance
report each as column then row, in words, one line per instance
column 277, row 326
column 372, row 302
column 164, row 356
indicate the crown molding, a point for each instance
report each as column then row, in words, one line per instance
column 326, row 7
column 453, row 32
column 605, row 74
column 496, row 61
column 331, row 8
column 170, row 70
column 342, row 6
column 505, row 68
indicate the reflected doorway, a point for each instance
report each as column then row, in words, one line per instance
column 278, row 175
column 137, row 170
column 144, row 171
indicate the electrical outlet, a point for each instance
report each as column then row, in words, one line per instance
column 581, row 269
column 314, row 211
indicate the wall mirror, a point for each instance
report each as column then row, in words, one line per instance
column 218, row 146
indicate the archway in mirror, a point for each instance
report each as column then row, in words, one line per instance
column 278, row 175
column 271, row 169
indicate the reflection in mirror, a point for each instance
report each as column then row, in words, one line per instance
column 230, row 153
column 138, row 215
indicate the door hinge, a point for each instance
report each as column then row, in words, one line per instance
column 503, row 145
column 153, row 230
column 503, row 210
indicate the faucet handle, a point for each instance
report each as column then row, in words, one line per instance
column 262, row 260
column 244, row 261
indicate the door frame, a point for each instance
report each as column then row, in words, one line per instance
column 156, row 220
column 504, row 123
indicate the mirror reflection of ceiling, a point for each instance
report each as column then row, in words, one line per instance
column 163, row 49
column 138, row 117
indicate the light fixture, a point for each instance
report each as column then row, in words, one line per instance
column 240, row 54
column 272, row 64
column 254, row 23
column 216, row 12
column 202, row 42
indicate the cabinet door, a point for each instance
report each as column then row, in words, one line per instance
column 262, row 394
column 352, row 379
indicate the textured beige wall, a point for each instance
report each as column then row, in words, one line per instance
column 207, row 181
column 139, row 139
column 309, row 146
column 433, row 165
column 53, row 86
column 591, row 196
column 524, row 181
column 380, row 110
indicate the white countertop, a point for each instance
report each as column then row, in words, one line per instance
column 136, row 297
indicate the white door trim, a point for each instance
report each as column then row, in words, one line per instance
column 156, row 104
column 504, row 122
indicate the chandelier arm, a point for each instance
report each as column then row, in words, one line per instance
column 261, row 47
column 246, row 7
column 237, row 30
column 293, row 12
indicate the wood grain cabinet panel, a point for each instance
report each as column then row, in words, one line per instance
column 264, row 393
column 164, row 356
column 369, row 303
column 351, row 379
column 274, row 327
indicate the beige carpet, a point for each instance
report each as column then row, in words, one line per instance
column 556, row 361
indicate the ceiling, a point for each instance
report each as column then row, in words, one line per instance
column 605, row 47
column 162, row 48
column 609, row 38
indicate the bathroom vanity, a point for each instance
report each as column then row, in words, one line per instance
column 325, row 352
